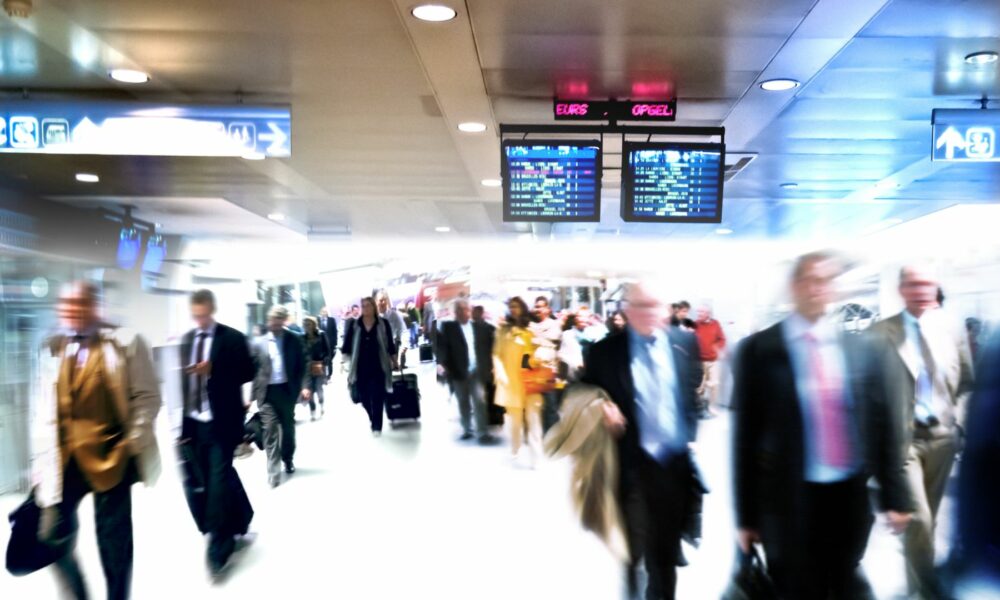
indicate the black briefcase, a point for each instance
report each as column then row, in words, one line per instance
column 253, row 431
column 750, row 580
column 25, row 553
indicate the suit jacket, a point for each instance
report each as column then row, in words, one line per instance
column 128, row 369
column 768, row 447
column 348, row 328
column 331, row 334
column 453, row 351
column 294, row 357
column 232, row 366
column 608, row 365
column 952, row 361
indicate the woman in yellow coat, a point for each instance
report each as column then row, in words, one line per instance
column 524, row 411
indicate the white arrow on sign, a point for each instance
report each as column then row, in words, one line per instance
column 951, row 139
column 277, row 137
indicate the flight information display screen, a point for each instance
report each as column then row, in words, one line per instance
column 551, row 181
column 672, row 182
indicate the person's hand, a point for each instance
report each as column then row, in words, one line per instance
column 747, row 538
column 307, row 393
column 440, row 370
column 614, row 420
column 47, row 522
column 395, row 363
column 203, row 369
column 898, row 521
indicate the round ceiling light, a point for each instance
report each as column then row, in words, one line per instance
column 87, row 178
column 276, row 217
column 491, row 182
column 442, row 229
column 723, row 231
column 129, row 76
column 778, row 85
column 981, row 58
column 435, row 13
column 472, row 127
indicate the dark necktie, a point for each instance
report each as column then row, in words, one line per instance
column 199, row 379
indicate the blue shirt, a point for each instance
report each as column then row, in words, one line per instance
column 661, row 428
column 923, row 408
column 795, row 329
column 275, row 350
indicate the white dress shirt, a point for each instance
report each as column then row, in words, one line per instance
column 275, row 345
column 470, row 342
column 203, row 412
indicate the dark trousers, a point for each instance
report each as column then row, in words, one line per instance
column 372, row 391
column 824, row 561
column 113, row 517
column 224, row 511
column 278, row 417
column 655, row 506
column 316, row 385
column 550, row 409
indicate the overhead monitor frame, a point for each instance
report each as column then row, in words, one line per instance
column 628, row 180
column 505, row 174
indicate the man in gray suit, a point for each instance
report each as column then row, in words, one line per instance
column 281, row 377
column 931, row 375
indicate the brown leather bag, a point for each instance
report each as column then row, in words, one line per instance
column 539, row 380
column 316, row 368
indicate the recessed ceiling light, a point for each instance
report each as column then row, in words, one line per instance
column 434, row 13
column 472, row 127
column 442, row 229
column 276, row 217
column 778, row 85
column 129, row 75
column 491, row 182
column 791, row 185
column 87, row 178
column 723, row 231
column 253, row 156
column 981, row 58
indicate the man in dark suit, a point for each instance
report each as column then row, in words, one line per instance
column 349, row 321
column 812, row 423
column 465, row 356
column 651, row 373
column 218, row 363
column 281, row 377
column 328, row 325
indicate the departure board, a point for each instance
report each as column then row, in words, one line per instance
column 551, row 180
column 672, row 182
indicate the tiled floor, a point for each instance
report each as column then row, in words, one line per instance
column 415, row 514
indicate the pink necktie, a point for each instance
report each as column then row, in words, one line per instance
column 829, row 420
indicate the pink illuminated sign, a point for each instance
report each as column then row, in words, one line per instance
column 614, row 110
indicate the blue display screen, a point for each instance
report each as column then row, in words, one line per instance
column 552, row 181
column 128, row 248
column 156, row 251
column 672, row 183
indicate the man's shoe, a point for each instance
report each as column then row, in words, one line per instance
column 377, row 434
column 274, row 482
column 244, row 541
column 488, row 440
column 289, row 467
column 466, row 437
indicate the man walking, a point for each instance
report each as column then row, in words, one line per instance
column 328, row 327
column 218, row 363
column 281, row 377
column 93, row 433
column 932, row 369
column 464, row 355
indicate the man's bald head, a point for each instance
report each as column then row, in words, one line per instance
column 918, row 286
column 78, row 305
column 645, row 307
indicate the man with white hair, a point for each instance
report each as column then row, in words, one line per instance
column 932, row 369
column 711, row 342
column 281, row 376
column 387, row 312
column 650, row 372
column 465, row 357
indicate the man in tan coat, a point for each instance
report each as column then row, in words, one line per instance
column 93, row 432
column 931, row 376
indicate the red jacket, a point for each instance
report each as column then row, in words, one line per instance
column 710, row 339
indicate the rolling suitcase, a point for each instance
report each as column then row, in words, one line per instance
column 426, row 353
column 404, row 401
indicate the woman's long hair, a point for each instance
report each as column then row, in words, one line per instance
column 522, row 321
column 311, row 333
column 370, row 299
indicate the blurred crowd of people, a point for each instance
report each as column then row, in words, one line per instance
column 818, row 414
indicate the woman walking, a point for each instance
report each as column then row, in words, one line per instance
column 371, row 356
column 513, row 355
column 317, row 353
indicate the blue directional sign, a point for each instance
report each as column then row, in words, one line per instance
column 965, row 135
column 144, row 129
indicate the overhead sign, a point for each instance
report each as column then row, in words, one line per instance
column 965, row 135
column 144, row 129
column 614, row 110
column 672, row 182
column 551, row 181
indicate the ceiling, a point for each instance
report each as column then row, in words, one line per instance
column 376, row 96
